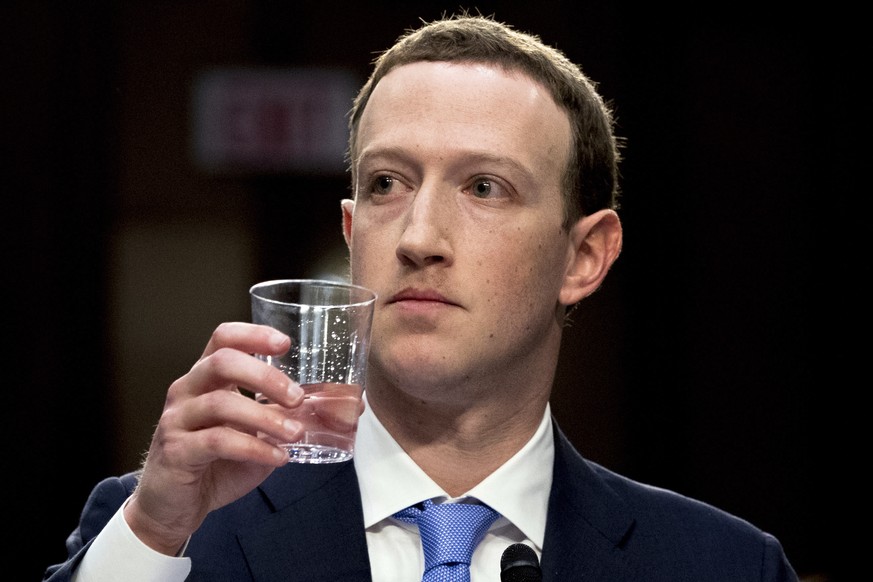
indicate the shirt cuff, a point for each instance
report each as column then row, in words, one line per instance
column 117, row 554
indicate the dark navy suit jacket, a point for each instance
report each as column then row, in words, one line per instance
column 305, row 524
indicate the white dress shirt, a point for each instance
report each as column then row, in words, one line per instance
column 389, row 481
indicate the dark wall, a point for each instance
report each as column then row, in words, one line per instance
column 58, row 147
column 708, row 363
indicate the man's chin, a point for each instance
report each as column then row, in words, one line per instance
column 428, row 368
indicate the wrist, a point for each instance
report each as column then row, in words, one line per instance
column 152, row 533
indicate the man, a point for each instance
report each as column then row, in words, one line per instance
column 484, row 171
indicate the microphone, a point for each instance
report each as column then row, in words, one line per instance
column 519, row 563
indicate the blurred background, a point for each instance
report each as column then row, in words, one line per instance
column 165, row 155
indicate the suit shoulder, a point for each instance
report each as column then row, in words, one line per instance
column 659, row 509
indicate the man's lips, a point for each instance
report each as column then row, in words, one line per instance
column 419, row 295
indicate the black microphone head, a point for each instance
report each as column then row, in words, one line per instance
column 519, row 563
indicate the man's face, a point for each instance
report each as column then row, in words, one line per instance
column 457, row 225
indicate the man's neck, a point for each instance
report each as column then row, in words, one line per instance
column 458, row 446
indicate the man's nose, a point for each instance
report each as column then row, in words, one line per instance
column 425, row 239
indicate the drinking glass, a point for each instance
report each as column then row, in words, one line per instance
column 329, row 325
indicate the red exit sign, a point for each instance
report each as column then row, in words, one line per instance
column 288, row 120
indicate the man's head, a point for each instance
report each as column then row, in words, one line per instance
column 459, row 223
column 590, row 181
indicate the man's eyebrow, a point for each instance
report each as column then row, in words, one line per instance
column 498, row 160
column 468, row 157
column 387, row 152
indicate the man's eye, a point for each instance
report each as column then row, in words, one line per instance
column 383, row 185
column 482, row 188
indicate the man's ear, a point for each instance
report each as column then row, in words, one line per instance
column 595, row 243
column 348, row 207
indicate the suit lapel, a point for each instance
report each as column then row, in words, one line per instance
column 316, row 531
column 586, row 524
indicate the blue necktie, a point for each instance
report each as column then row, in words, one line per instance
column 449, row 534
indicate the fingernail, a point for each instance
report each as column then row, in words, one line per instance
column 294, row 390
column 291, row 426
column 278, row 340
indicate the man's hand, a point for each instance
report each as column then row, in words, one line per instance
column 205, row 451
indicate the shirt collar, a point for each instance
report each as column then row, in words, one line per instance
column 518, row 490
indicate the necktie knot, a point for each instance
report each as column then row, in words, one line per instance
column 449, row 533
